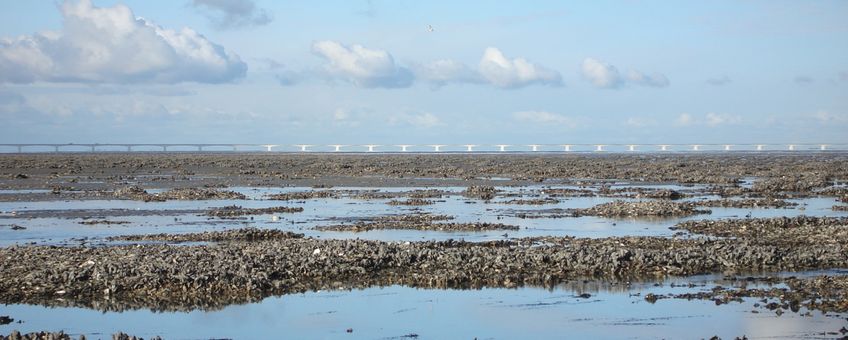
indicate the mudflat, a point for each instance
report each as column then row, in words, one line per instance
column 225, row 254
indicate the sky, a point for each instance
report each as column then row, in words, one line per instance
column 403, row 71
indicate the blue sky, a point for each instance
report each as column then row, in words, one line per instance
column 242, row 71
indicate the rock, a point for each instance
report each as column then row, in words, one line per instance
column 483, row 192
column 747, row 203
column 411, row 202
column 641, row 208
column 137, row 193
column 5, row 320
column 538, row 201
column 234, row 211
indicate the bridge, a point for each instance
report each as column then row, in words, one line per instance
column 420, row 148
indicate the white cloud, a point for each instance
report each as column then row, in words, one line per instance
column 601, row 74
column 111, row 45
column 226, row 14
column 543, row 117
column 422, row 120
column 514, row 73
column 607, row 76
column 362, row 66
column 655, row 80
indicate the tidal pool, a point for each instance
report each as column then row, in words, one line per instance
column 58, row 222
column 609, row 311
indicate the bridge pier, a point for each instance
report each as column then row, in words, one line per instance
column 20, row 148
column 502, row 147
column 437, row 148
column 199, row 148
column 372, row 146
column 696, row 148
column 55, row 148
column 567, row 147
column 663, row 147
column 631, row 148
column 760, row 147
column 129, row 148
column 727, row 147
column 791, row 147
column 823, row 147
column 164, row 148
column 599, row 148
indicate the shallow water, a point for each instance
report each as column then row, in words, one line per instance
column 59, row 225
column 613, row 311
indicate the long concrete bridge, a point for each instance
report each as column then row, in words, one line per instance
column 420, row 148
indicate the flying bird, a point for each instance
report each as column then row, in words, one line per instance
column 430, row 28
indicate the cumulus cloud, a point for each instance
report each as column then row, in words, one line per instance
column 607, row 76
column 513, row 73
column 601, row 74
column 362, row 66
column 111, row 45
column 226, row 14
column 720, row 81
column 543, row 117
column 711, row 119
column 494, row 68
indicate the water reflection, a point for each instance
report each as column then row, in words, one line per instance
column 395, row 311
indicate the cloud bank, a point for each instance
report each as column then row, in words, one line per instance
column 111, row 45
column 494, row 69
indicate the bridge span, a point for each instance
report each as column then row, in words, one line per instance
column 421, row 148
